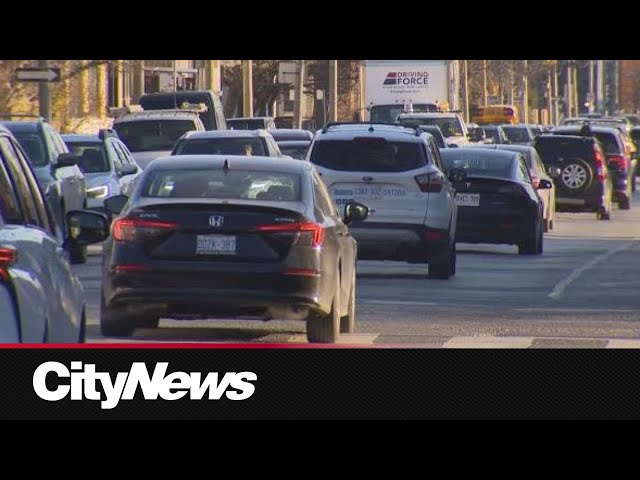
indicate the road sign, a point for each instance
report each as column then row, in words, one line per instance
column 288, row 71
column 34, row 74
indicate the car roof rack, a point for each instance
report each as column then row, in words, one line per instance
column 326, row 128
column 107, row 132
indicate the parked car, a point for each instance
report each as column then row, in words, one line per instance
column 251, row 123
column 217, row 235
column 151, row 134
column 107, row 164
column 397, row 172
column 228, row 142
column 620, row 164
column 41, row 299
column 497, row 201
column 212, row 116
column 55, row 168
column 578, row 167
column 297, row 149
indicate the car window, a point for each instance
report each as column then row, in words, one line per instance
column 54, row 149
column 120, row 158
column 121, row 147
column 322, row 197
column 522, row 172
column 22, row 190
column 609, row 143
column 222, row 146
column 92, row 156
column 46, row 221
column 152, row 135
column 435, row 155
column 274, row 147
column 61, row 147
column 35, row 148
column 9, row 206
column 537, row 161
column 517, row 134
column 368, row 155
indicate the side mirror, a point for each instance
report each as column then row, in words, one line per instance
column 66, row 160
column 544, row 184
column 87, row 227
column 114, row 205
column 354, row 211
column 128, row 169
column 458, row 175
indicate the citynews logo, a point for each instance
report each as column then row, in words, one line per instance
column 174, row 386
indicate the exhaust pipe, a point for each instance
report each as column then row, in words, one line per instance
column 293, row 312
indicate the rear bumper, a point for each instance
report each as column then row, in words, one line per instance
column 401, row 242
column 494, row 229
column 592, row 200
column 226, row 293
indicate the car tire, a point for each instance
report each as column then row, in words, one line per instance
column 603, row 214
column 325, row 328
column 576, row 176
column 114, row 323
column 532, row 245
column 547, row 225
column 149, row 322
column 442, row 265
column 624, row 203
column 348, row 322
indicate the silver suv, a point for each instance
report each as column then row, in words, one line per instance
column 397, row 172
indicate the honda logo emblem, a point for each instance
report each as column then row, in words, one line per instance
column 216, row 220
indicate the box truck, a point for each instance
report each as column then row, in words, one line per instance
column 392, row 87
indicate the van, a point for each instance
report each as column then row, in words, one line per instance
column 212, row 118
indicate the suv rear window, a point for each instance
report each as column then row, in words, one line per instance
column 551, row 147
column 368, row 155
column 222, row 146
column 609, row 143
column 152, row 135
column 34, row 146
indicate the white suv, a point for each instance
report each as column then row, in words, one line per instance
column 397, row 172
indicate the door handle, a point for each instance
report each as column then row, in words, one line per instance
column 367, row 179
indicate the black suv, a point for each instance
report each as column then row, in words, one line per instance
column 56, row 170
column 577, row 165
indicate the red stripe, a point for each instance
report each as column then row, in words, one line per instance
column 188, row 346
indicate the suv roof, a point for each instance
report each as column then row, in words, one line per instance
column 225, row 134
column 348, row 131
column 157, row 115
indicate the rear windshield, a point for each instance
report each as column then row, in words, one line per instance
column 92, row 157
column 609, row 143
column 368, row 155
column 551, row 147
column 236, row 184
column 450, row 126
column 33, row 146
column 517, row 134
column 152, row 135
column 222, row 146
column 476, row 163
column 254, row 124
column 297, row 152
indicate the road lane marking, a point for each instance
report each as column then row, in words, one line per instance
column 562, row 285
column 396, row 302
column 576, row 310
column 489, row 342
column 357, row 338
column 623, row 343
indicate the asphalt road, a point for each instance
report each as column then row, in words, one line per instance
column 584, row 291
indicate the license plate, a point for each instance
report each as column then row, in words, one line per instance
column 216, row 245
column 369, row 191
column 468, row 199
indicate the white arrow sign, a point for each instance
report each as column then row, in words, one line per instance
column 38, row 74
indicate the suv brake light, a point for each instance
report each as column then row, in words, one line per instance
column 601, row 171
column 8, row 256
column 312, row 232
column 619, row 161
column 429, row 182
column 136, row 229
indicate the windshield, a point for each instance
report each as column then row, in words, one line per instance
column 235, row 184
column 222, row 146
column 34, row 147
column 517, row 134
column 368, row 155
column 450, row 126
column 152, row 135
column 492, row 135
column 92, row 157
column 389, row 113
column 299, row 152
column 250, row 124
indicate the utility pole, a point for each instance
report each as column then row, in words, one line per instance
column 299, row 93
column 247, row 88
column 212, row 76
column 119, row 76
column 525, row 94
column 138, row 80
column 466, row 92
column 333, row 90
column 551, row 118
column 484, row 82
column 600, row 86
column 591, row 96
column 568, row 90
column 44, row 96
column 574, row 72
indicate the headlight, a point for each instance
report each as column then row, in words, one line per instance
column 98, row 192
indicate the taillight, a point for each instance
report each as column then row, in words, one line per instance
column 601, row 171
column 8, row 256
column 311, row 233
column 137, row 229
column 429, row 182
column 620, row 161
